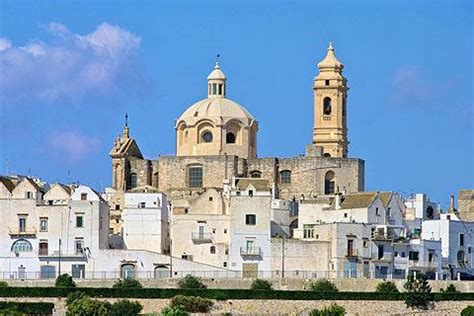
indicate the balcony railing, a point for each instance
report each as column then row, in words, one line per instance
column 55, row 254
column 28, row 231
column 352, row 253
column 251, row 252
column 387, row 257
column 201, row 237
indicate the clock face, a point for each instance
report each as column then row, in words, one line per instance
column 207, row 137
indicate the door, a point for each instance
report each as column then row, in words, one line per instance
column 78, row 271
column 21, row 272
column 249, row 270
column 47, row 272
column 161, row 272
column 201, row 232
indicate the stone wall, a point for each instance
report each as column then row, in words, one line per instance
column 466, row 204
column 283, row 307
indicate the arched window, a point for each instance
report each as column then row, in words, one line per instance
column 195, row 176
column 327, row 106
column 329, row 183
column 127, row 271
column 21, row 245
column 285, row 176
column 429, row 212
column 206, row 137
column 230, row 138
column 255, row 174
column 461, row 257
column 133, row 180
column 327, row 155
column 161, row 272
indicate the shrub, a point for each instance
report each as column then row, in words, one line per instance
column 127, row 284
column 24, row 308
column 65, row 280
column 450, row 289
column 418, row 292
column 174, row 311
column 3, row 284
column 332, row 310
column 83, row 305
column 468, row 311
column 386, row 287
column 323, row 285
column 260, row 284
column 11, row 311
column 191, row 282
column 192, row 304
column 126, row 308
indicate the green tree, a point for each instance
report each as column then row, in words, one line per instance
column 127, row 284
column 468, row 311
column 261, row 284
column 191, row 282
column 192, row 304
column 177, row 310
column 323, row 285
column 125, row 308
column 3, row 284
column 450, row 289
column 332, row 310
column 386, row 287
column 418, row 292
column 65, row 280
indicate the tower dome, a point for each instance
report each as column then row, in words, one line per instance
column 216, row 125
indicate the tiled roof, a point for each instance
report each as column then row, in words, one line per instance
column 259, row 184
column 7, row 183
column 356, row 200
column 385, row 197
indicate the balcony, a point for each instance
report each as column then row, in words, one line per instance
column 201, row 238
column 387, row 257
column 17, row 232
column 64, row 256
column 351, row 253
column 251, row 252
column 423, row 264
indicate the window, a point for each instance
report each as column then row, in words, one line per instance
column 308, row 231
column 327, row 155
column 250, row 219
column 213, row 230
column 225, row 231
column 78, row 271
column 221, row 90
column 380, row 252
column 213, row 249
column 117, row 207
column 326, row 82
column 210, row 199
column 389, row 212
column 285, row 176
column 329, row 183
column 377, row 211
column 29, row 195
column 206, row 137
column 43, row 248
column 79, row 221
column 255, row 174
column 431, row 254
column 429, row 212
column 250, row 246
column 345, row 215
column 403, row 254
column 22, row 224
column 413, row 255
column 251, row 193
column 225, row 264
column 83, row 196
column 43, row 224
column 344, row 107
column 327, row 106
column 365, row 244
column 127, row 271
column 461, row 258
column 350, row 247
column 461, row 240
column 195, row 177
column 22, row 245
column 214, row 88
column 187, row 257
column 230, row 138
column 141, row 205
column 79, row 246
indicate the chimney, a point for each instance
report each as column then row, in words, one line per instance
column 451, row 203
column 337, row 200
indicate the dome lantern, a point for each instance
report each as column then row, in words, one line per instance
column 216, row 86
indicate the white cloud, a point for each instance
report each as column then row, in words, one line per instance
column 4, row 44
column 73, row 146
column 70, row 66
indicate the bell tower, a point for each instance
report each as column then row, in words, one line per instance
column 330, row 111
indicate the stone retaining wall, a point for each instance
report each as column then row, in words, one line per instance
column 283, row 284
column 282, row 307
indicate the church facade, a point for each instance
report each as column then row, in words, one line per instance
column 216, row 141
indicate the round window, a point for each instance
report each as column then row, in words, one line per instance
column 207, row 137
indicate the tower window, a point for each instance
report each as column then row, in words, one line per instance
column 214, row 88
column 329, row 183
column 195, row 177
column 221, row 89
column 344, row 107
column 327, row 82
column 133, row 180
column 285, row 176
column 207, row 137
column 255, row 174
column 230, row 138
column 327, row 106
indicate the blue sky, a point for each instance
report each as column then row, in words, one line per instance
column 70, row 71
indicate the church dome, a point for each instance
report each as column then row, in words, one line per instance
column 216, row 108
column 216, row 125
